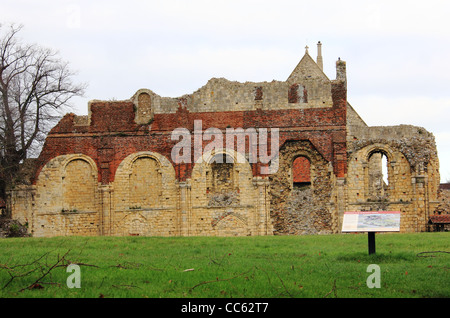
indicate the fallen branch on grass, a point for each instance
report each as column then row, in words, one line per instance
column 286, row 290
column 431, row 252
column 76, row 263
column 17, row 275
column 125, row 286
column 127, row 265
column 333, row 290
column 36, row 282
column 284, row 286
column 12, row 269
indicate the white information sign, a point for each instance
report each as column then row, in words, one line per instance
column 371, row 221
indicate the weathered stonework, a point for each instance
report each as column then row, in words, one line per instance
column 305, row 210
column 113, row 172
column 412, row 172
column 444, row 199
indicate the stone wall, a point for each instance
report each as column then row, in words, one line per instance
column 221, row 95
column 305, row 210
column 144, row 197
column 443, row 206
column 66, row 198
column 113, row 171
column 412, row 168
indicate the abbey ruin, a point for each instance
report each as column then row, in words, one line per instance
column 113, row 172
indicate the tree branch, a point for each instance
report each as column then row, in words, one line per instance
column 35, row 85
column 60, row 259
column 432, row 252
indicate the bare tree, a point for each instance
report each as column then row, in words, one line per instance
column 35, row 88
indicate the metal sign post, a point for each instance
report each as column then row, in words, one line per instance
column 371, row 242
column 371, row 222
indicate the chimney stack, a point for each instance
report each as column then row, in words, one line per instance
column 319, row 55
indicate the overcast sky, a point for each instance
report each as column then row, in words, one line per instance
column 397, row 52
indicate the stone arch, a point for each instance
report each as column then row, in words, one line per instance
column 231, row 224
column 66, row 192
column 68, row 158
column 209, row 156
column 157, row 211
column 143, row 103
column 378, row 175
column 301, row 171
column 365, row 187
column 136, row 225
column 57, row 184
column 79, row 184
column 378, row 187
column 304, row 149
column 145, row 183
column 128, row 161
column 369, row 150
column 144, row 180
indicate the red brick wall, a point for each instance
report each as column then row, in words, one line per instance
column 301, row 170
column 113, row 134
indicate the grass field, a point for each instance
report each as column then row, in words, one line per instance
column 320, row 266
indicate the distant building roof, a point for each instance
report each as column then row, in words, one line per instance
column 440, row 219
column 444, row 186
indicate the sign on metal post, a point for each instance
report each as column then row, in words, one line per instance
column 371, row 222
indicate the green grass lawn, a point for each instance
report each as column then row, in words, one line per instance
column 330, row 266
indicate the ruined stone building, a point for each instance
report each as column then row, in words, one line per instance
column 114, row 172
